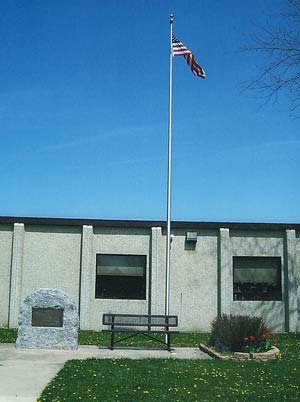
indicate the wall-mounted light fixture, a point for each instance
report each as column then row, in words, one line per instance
column 191, row 237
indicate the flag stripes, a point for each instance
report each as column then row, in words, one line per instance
column 179, row 49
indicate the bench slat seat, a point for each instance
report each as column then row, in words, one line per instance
column 144, row 324
column 140, row 331
column 140, row 320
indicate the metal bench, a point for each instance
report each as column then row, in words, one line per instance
column 140, row 324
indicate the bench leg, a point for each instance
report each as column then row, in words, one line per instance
column 112, row 341
column 168, row 343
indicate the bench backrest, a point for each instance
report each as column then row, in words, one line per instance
column 138, row 320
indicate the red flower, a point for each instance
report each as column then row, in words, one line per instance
column 275, row 340
column 273, row 334
column 246, row 338
column 252, row 338
column 265, row 333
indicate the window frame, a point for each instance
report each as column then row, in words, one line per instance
column 144, row 276
column 261, row 287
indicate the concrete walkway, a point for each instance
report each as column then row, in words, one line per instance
column 25, row 373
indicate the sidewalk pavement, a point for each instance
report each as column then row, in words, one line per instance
column 25, row 373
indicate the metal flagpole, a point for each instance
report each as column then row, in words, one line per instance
column 168, row 240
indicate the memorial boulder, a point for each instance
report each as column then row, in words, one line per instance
column 48, row 320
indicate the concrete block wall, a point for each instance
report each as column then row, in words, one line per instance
column 193, row 293
column 110, row 241
column 6, row 242
column 297, row 275
column 42, row 256
column 64, row 257
column 51, row 258
column 262, row 244
column 193, row 278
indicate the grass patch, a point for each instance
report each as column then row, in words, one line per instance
column 8, row 335
column 183, row 339
column 125, row 380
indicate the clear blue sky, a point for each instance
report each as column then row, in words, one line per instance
column 84, row 113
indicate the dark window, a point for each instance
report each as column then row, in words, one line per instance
column 257, row 278
column 120, row 276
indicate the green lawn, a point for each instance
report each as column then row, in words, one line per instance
column 174, row 380
column 127, row 380
column 180, row 339
column 8, row 335
column 103, row 338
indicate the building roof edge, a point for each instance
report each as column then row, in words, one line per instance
column 147, row 224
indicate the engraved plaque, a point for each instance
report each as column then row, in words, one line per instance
column 47, row 317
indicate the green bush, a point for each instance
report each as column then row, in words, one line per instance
column 232, row 333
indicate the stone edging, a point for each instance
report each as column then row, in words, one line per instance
column 262, row 357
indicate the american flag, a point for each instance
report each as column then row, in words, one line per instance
column 180, row 50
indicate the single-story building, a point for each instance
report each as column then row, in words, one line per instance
column 119, row 266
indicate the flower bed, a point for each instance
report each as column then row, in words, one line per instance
column 241, row 337
column 271, row 354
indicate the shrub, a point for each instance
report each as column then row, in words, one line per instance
column 238, row 333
